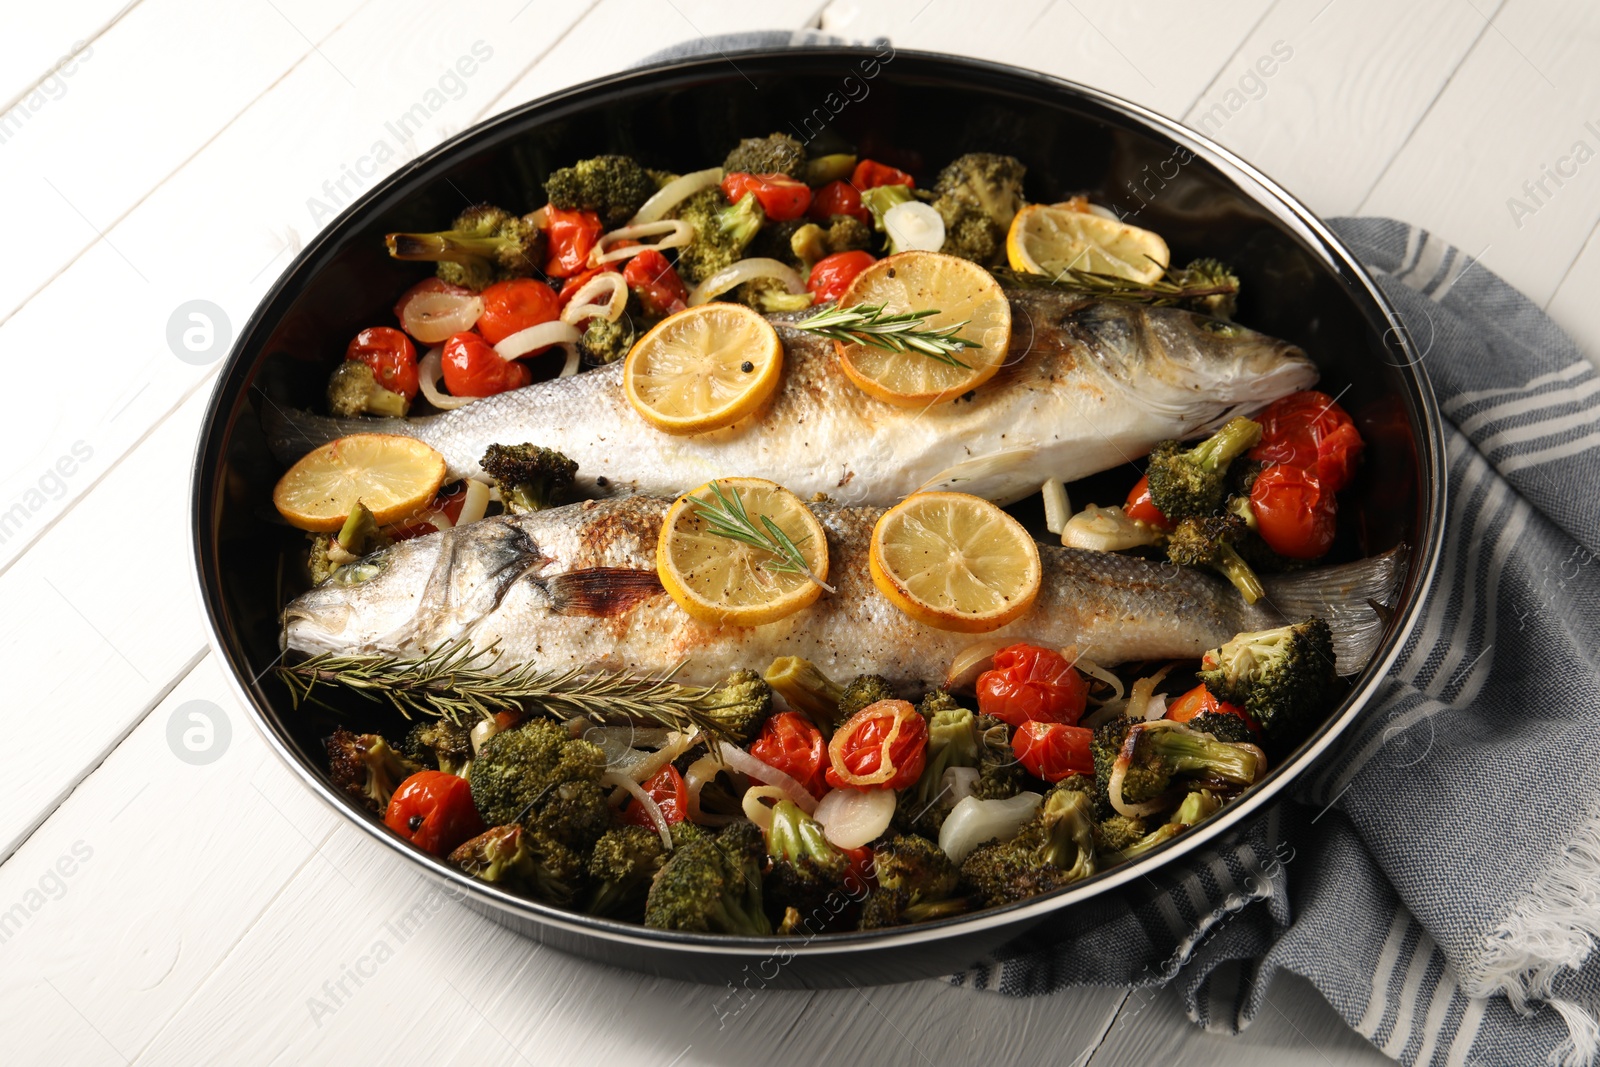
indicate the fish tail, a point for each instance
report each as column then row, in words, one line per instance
column 1353, row 598
column 291, row 433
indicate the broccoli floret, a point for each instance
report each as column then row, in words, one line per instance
column 738, row 707
column 354, row 390
column 1146, row 776
column 807, row 690
column 523, row 861
column 776, row 241
column 614, row 187
column 722, row 231
column 537, row 775
column 1193, row 482
column 621, row 867
column 1155, row 753
column 880, row 199
column 999, row 774
column 777, row 153
column 441, row 744
column 1196, row 807
column 529, row 477
column 366, row 767
column 978, row 196
column 811, row 242
column 1222, row 726
column 846, row 233
column 1053, row 850
column 604, row 341
column 358, row 537
column 1209, row 542
column 1117, row 832
column 769, row 296
column 953, row 741
column 486, row 244
column 712, row 885
column 1285, row 677
column 1211, row 273
column 806, row 868
column 863, row 689
column 916, row 883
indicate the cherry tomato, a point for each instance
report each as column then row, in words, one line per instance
column 780, row 196
column 473, row 368
column 831, row 275
column 505, row 720
column 1032, row 684
column 1053, row 750
column 1309, row 430
column 660, row 289
column 434, row 811
column 1201, row 701
column 856, row 750
column 1141, row 507
column 863, row 871
column 838, row 198
column 1294, row 512
column 450, row 501
column 391, row 355
column 791, row 744
column 570, row 287
column 515, row 305
column 426, row 285
column 870, row 174
column 671, row 795
column 572, row 237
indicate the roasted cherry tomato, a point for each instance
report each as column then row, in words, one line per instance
column 838, row 198
column 434, row 811
column 1294, row 512
column 831, row 275
column 1201, row 701
column 1309, row 430
column 660, row 289
column 572, row 237
column 1053, row 750
column 669, row 792
column 391, row 355
column 426, row 285
column 791, row 744
column 863, row 872
column 570, row 287
column 473, row 368
column 870, row 174
column 449, row 500
column 515, row 305
column 856, row 752
column 1141, row 507
column 780, row 196
column 1032, row 684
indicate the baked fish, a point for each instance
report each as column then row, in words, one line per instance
column 1088, row 384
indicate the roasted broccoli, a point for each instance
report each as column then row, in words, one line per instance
column 1053, row 850
column 529, row 477
column 538, row 775
column 354, row 390
column 777, row 153
column 775, row 240
column 1222, row 726
column 1117, row 832
column 1193, row 482
column 1211, row 273
column 863, row 689
column 523, row 861
column 769, row 295
column 604, row 341
column 621, row 866
column 1284, row 677
column 880, row 199
column 1209, row 542
column 721, row 232
column 441, row 744
column 712, row 885
column 1154, row 753
column 916, row 882
column 978, row 196
column 485, row 244
column 953, row 741
column 365, row 767
column 807, row 690
column 811, row 242
column 614, row 187
column 999, row 774
column 738, row 707
column 1196, row 807
column 359, row 536
column 806, row 868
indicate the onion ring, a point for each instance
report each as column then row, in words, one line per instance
column 740, row 760
column 673, row 233
column 742, row 271
column 430, row 371
column 886, row 766
column 674, row 193
column 582, row 305
column 651, row 808
column 543, row 335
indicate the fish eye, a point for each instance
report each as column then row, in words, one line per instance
column 1221, row 329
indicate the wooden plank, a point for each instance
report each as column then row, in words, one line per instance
column 1322, row 101
column 1474, row 171
column 41, row 40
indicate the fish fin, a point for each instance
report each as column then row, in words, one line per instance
column 600, row 591
column 291, row 433
column 1004, row 477
column 1352, row 598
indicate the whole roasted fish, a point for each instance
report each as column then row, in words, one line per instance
column 1088, row 384
column 576, row 586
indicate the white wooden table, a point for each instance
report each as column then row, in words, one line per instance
column 159, row 911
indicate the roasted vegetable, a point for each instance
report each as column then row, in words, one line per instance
column 614, row 187
column 722, row 231
column 359, row 536
column 807, row 690
column 486, row 244
column 441, row 744
column 916, row 883
column 712, row 885
column 1193, row 482
column 604, row 341
column 621, row 866
column 538, row 775
column 1209, row 542
column 978, row 196
column 523, row 861
column 1285, row 677
column 777, row 153
column 367, row 768
column 528, row 476
column 1196, row 807
column 863, row 690
column 353, row 390
column 806, row 868
column 1053, row 850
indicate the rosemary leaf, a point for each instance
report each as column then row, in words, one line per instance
column 868, row 325
column 728, row 518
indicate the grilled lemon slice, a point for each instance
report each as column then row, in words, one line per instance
column 703, row 368
column 392, row 475
column 1052, row 238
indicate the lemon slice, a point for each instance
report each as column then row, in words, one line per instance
column 954, row 562
column 703, row 368
column 1051, row 238
column 719, row 579
column 392, row 475
column 959, row 290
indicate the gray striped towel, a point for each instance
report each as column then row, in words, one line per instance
column 1438, row 878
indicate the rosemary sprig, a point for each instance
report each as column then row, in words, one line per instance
column 728, row 518
column 458, row 683
column 868, row 325
column 1204, row 285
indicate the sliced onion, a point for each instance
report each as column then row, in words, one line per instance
column 433, row 317
column 903, row 712
column 852, row 817
column 672, row 233
column 676, row 745
column 543, row 335
column 1098, row 673
column 610, row 286
column 430, row 371
column 1111, row 709
column 1056, row 505
column 740, row 760
column 914, row 227
column 959, row 781
column 435, row 517
column 651, row 808
column 570, row 367
column 971, row 662
column 695, row 778
column 745, row 270
column 1119, row 771
column 481, row 732
column 675, row 192
column 1099, row 529
column 476, row 504
column 1139, row 699
column 758, row 812
column 973, row 822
